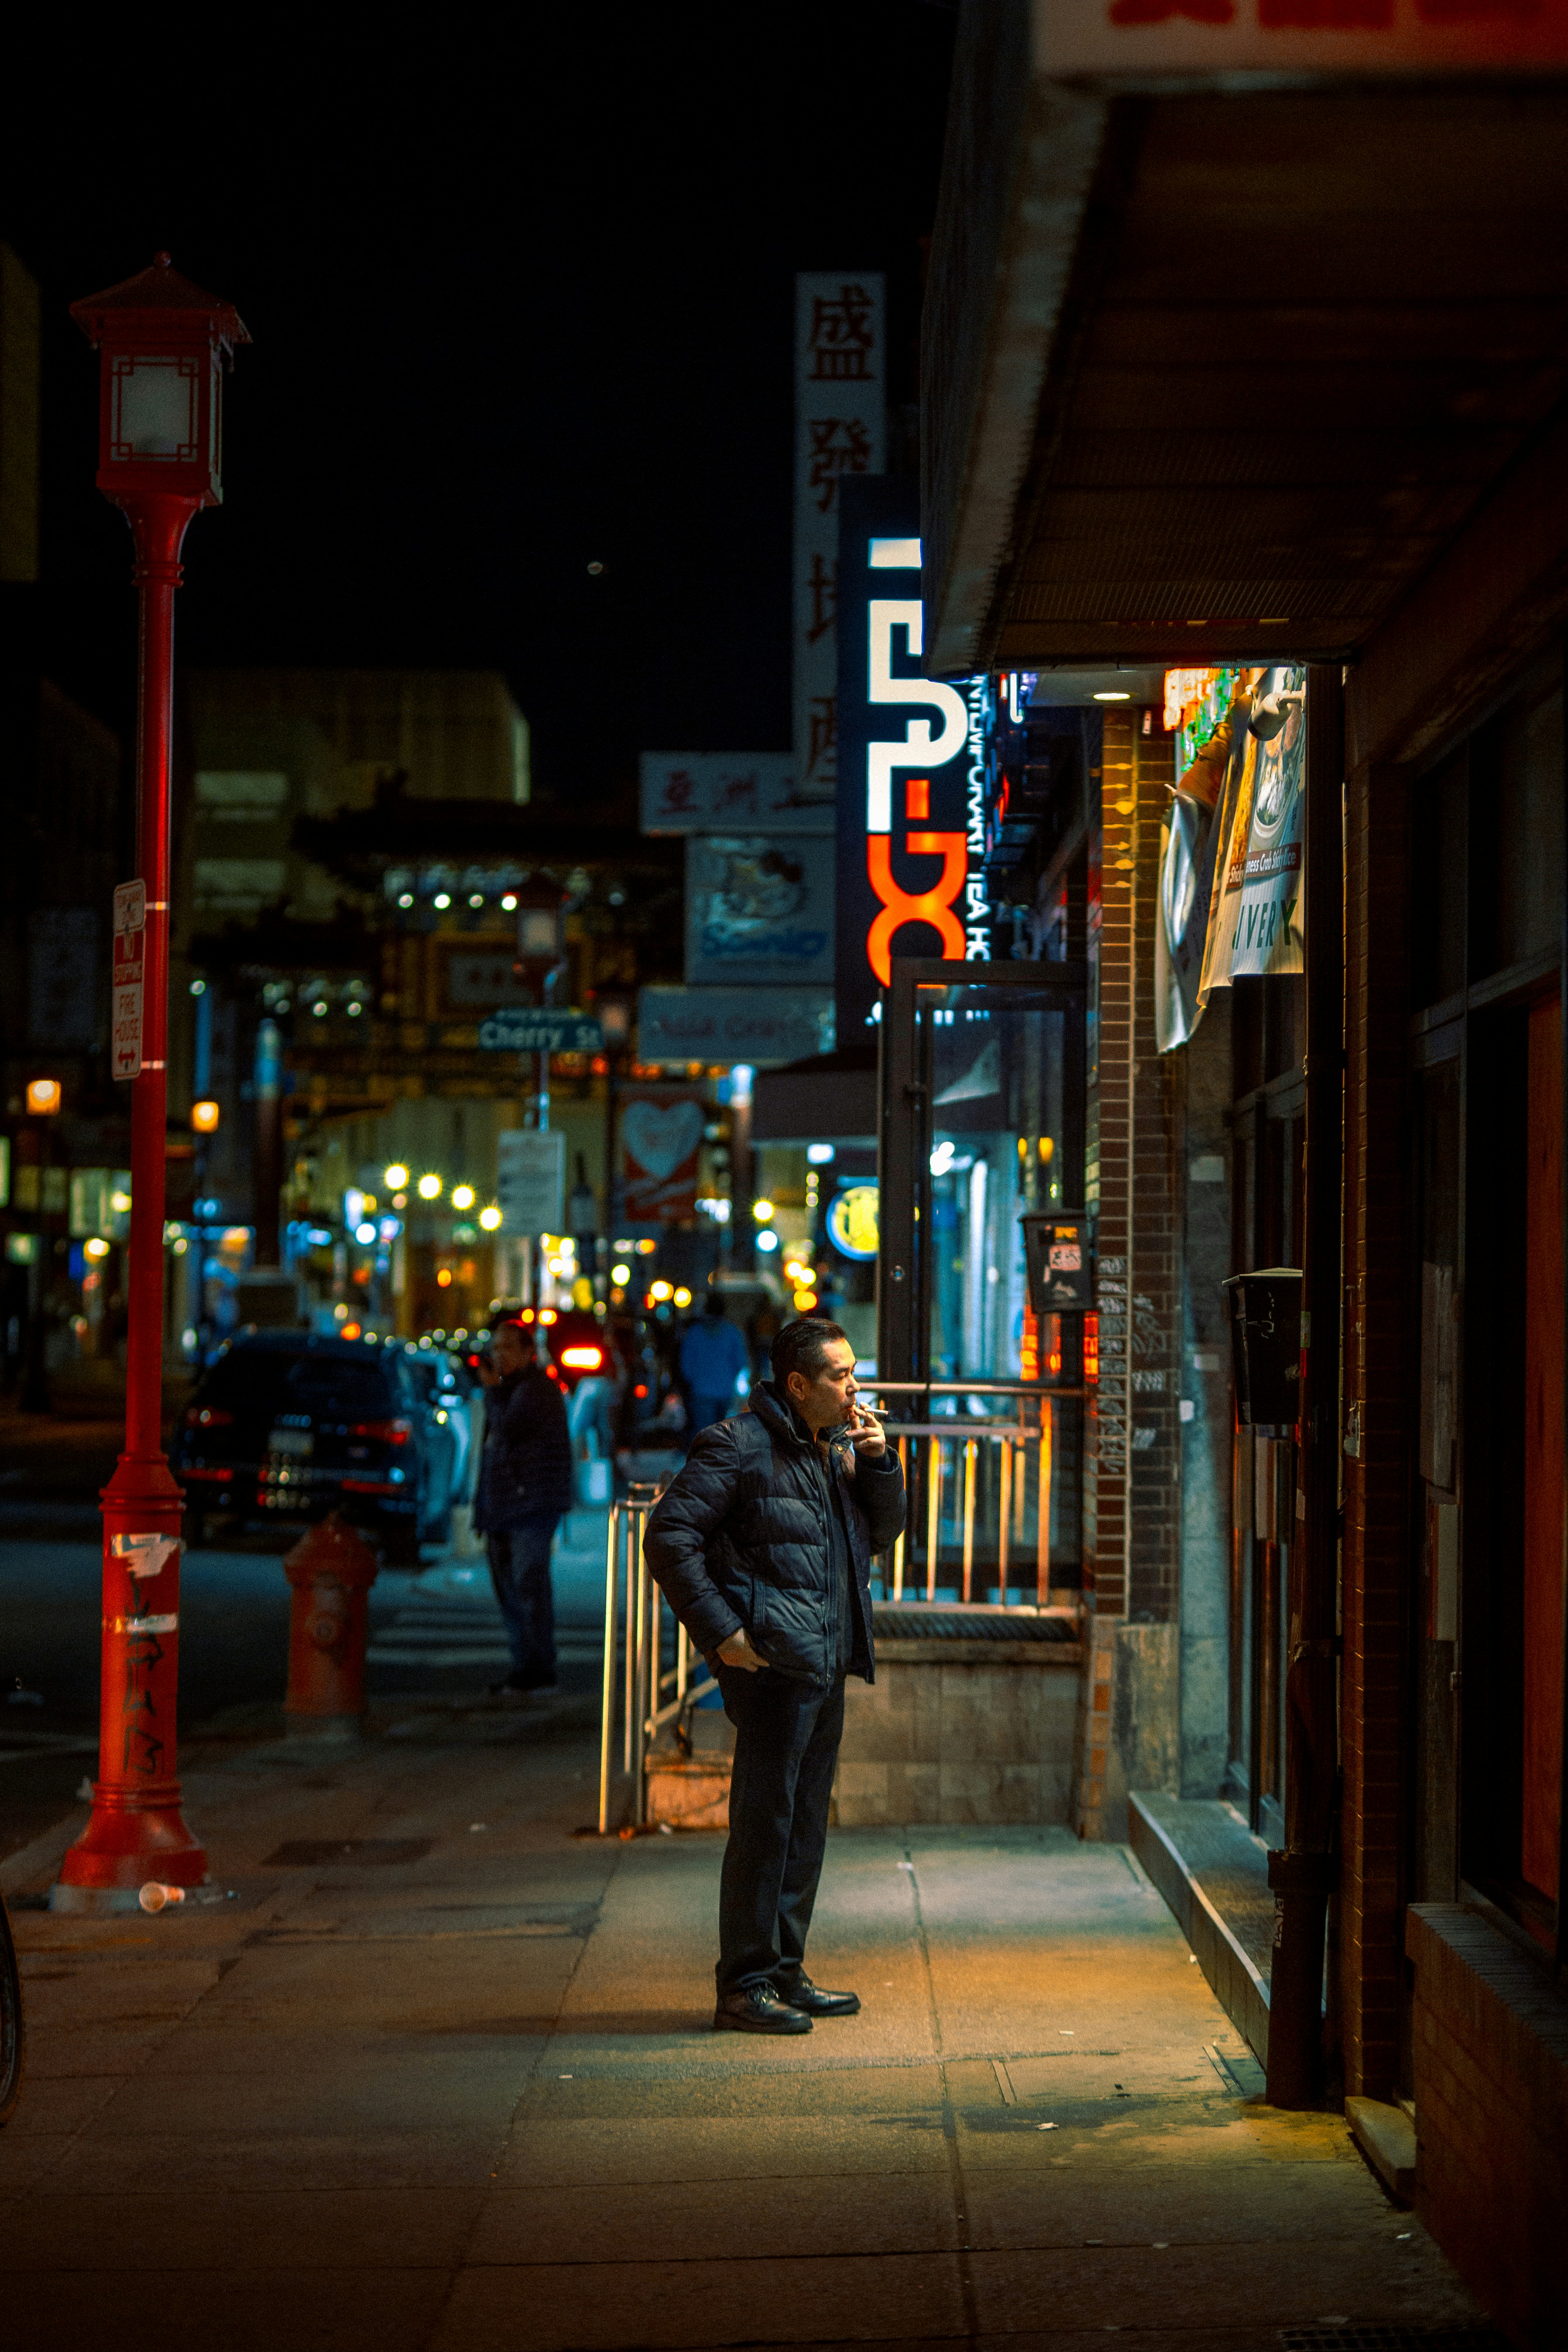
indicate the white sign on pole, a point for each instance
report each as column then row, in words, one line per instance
column 130, row 942
column 716, row 792
column 840, row 427
column 530, row 1181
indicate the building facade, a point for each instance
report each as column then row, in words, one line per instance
column 1245, row 348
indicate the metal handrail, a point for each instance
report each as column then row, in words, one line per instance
column 634, row 1628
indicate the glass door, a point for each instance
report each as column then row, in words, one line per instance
column 982, row 1124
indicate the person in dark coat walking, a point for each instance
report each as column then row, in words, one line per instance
column 762, row 1546
column 524, row 1486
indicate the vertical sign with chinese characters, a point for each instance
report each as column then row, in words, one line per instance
column 840, row 428
column 125, row 1015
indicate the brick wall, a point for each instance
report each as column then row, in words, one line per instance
column 1129, row 1733
column 1376, row 1533
column 1491, row 2035
column 1154, row 1467
column 1107, row 1536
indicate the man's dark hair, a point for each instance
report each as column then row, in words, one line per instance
column 802, row 1347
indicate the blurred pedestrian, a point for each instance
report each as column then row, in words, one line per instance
column 762, row 1546
column 524, row 1486
column 714, row 1355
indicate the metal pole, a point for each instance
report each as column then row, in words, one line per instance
column 137, row 1830
column 1043, row 1522
column 1004, row 1520
column 933, row 1512
column 607, row 1670
column 639, row 1723
column 629, row 1670
column 969, row 1451
column 898, row 1547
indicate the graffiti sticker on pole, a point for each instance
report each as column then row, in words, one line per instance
column 129, row 940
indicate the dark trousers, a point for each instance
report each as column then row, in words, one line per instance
column 786, row 1744
column 520, row 1570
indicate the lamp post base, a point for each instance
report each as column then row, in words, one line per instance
column 134, row 1835
column 137, row 1832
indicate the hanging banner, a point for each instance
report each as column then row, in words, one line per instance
column 840, row 430
column 1189, row 844
column 1270, row 922
column 758, row 909
column 1257, row 915
column 660, row 1137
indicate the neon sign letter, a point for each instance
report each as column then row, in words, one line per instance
column 917, row 750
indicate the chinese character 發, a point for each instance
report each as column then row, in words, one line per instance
column 840, row 444
column 842, row 337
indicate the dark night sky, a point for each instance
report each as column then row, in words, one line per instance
column 507, row 321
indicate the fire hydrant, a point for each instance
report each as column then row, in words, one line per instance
column 332, row 1570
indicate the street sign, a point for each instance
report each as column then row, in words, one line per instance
column 130, row 941
column 530, row 1179
column 542, row 1033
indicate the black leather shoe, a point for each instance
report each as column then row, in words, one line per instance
column 758, row 2010
column 803, row 1994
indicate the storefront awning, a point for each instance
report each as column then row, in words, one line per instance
column 1227, row 334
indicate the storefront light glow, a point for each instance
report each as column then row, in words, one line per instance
column 430, row 1188
column 396, row 1176
column 463, row 1196
column 365, row 1234
column 819, row 1154
column 768, row 1241
column 620, row 1275
column 490, row 1219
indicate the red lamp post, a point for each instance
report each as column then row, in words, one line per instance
column 163, row 345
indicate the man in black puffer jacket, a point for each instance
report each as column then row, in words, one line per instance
column 763, row 1547
column 524, row 1484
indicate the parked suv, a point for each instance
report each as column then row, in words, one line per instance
column 287, row 1424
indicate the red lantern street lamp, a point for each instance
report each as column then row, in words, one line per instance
column 163, row 345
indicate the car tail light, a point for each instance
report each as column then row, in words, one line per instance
column 641, row 1388
column 582, row 1359
column 207, row 1416
column 369, row 1487
column 200, row 1471
column 392, row 1432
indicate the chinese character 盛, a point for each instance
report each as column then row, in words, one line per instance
column 842, row 337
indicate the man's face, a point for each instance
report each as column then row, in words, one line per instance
column 824, row 1399
column 507, row 1351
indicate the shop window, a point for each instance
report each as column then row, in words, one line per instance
column 1516, row 828
column 1439, row 820
column 1512, row 1622
column 1542, row 1611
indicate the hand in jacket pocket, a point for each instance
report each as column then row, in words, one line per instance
column 738, row 1652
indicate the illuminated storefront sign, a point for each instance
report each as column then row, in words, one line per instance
column 912, row 766
column 852, row 1226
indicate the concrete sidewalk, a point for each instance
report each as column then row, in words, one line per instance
column 440, row 2074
